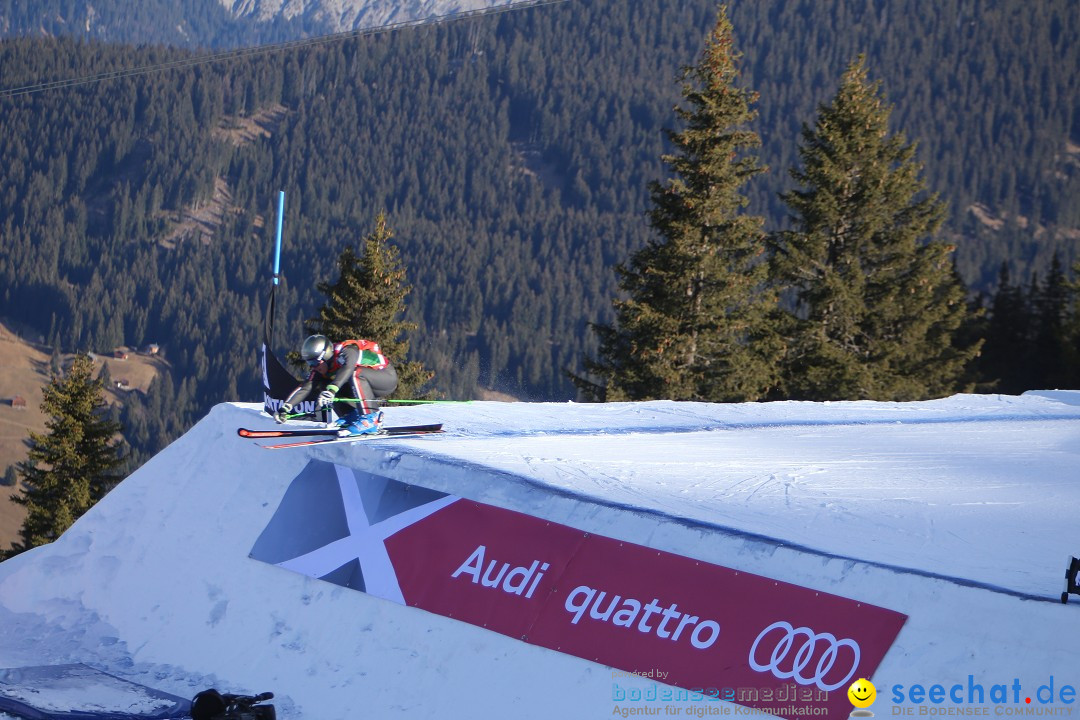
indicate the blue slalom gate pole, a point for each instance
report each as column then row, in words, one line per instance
column 277, row 247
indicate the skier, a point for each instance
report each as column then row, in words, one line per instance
column 354, row 369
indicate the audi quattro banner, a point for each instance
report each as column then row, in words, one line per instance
column 711, row 629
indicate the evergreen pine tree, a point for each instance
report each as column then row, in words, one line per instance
column 56, row 360
column 73, row 465
column 368, row 300
column 878, row 306
column 1072, row 332
column 1005, row 361
column 1050, row 303
column 104, row 376
column 694, row 324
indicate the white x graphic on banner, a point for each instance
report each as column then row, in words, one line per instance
column 364, row 541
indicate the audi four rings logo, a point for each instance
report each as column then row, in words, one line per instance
column 785, row 645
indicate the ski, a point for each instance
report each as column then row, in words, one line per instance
column 401, row 431
column 331, row 432
column 246, row 433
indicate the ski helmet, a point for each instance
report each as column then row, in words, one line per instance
column 316, row 349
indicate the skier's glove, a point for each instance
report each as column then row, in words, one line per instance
column 326, row 397
column 283, row 412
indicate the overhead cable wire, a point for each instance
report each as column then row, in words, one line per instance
column 236, row 53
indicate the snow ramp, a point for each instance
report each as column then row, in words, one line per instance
column 78, row 692
column 585, row 561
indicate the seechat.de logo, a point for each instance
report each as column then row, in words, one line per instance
column 862, row 695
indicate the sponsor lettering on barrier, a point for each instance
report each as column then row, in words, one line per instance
column 513, row 582
column 624, row 605
column 703, row 636
column 635, row 608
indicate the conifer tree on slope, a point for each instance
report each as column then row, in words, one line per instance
column 694, row 323
column 879, row 305
column 1072, row 332
column 368, row 300
column 1051, row 302
column 73, row 465
column 1005, row 361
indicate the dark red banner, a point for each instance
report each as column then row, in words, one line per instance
column 706, row 628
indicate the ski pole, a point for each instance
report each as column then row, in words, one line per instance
column 433, row 402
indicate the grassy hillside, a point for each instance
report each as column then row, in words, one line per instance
column 24, row 371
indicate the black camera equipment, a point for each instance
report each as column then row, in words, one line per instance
column 212, row 705
column 1072, row 579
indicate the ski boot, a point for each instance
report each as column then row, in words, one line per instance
column 353, row 416
column 361, row 424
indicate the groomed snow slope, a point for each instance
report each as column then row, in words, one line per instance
column 959, row 513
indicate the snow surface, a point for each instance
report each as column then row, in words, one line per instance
column 67, row 692
column 960, row 513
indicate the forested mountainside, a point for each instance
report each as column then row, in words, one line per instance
column 512, row 154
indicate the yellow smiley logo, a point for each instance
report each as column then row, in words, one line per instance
column 862, row 693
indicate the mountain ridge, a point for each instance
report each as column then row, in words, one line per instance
column 344, row 15
column 223, row 24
